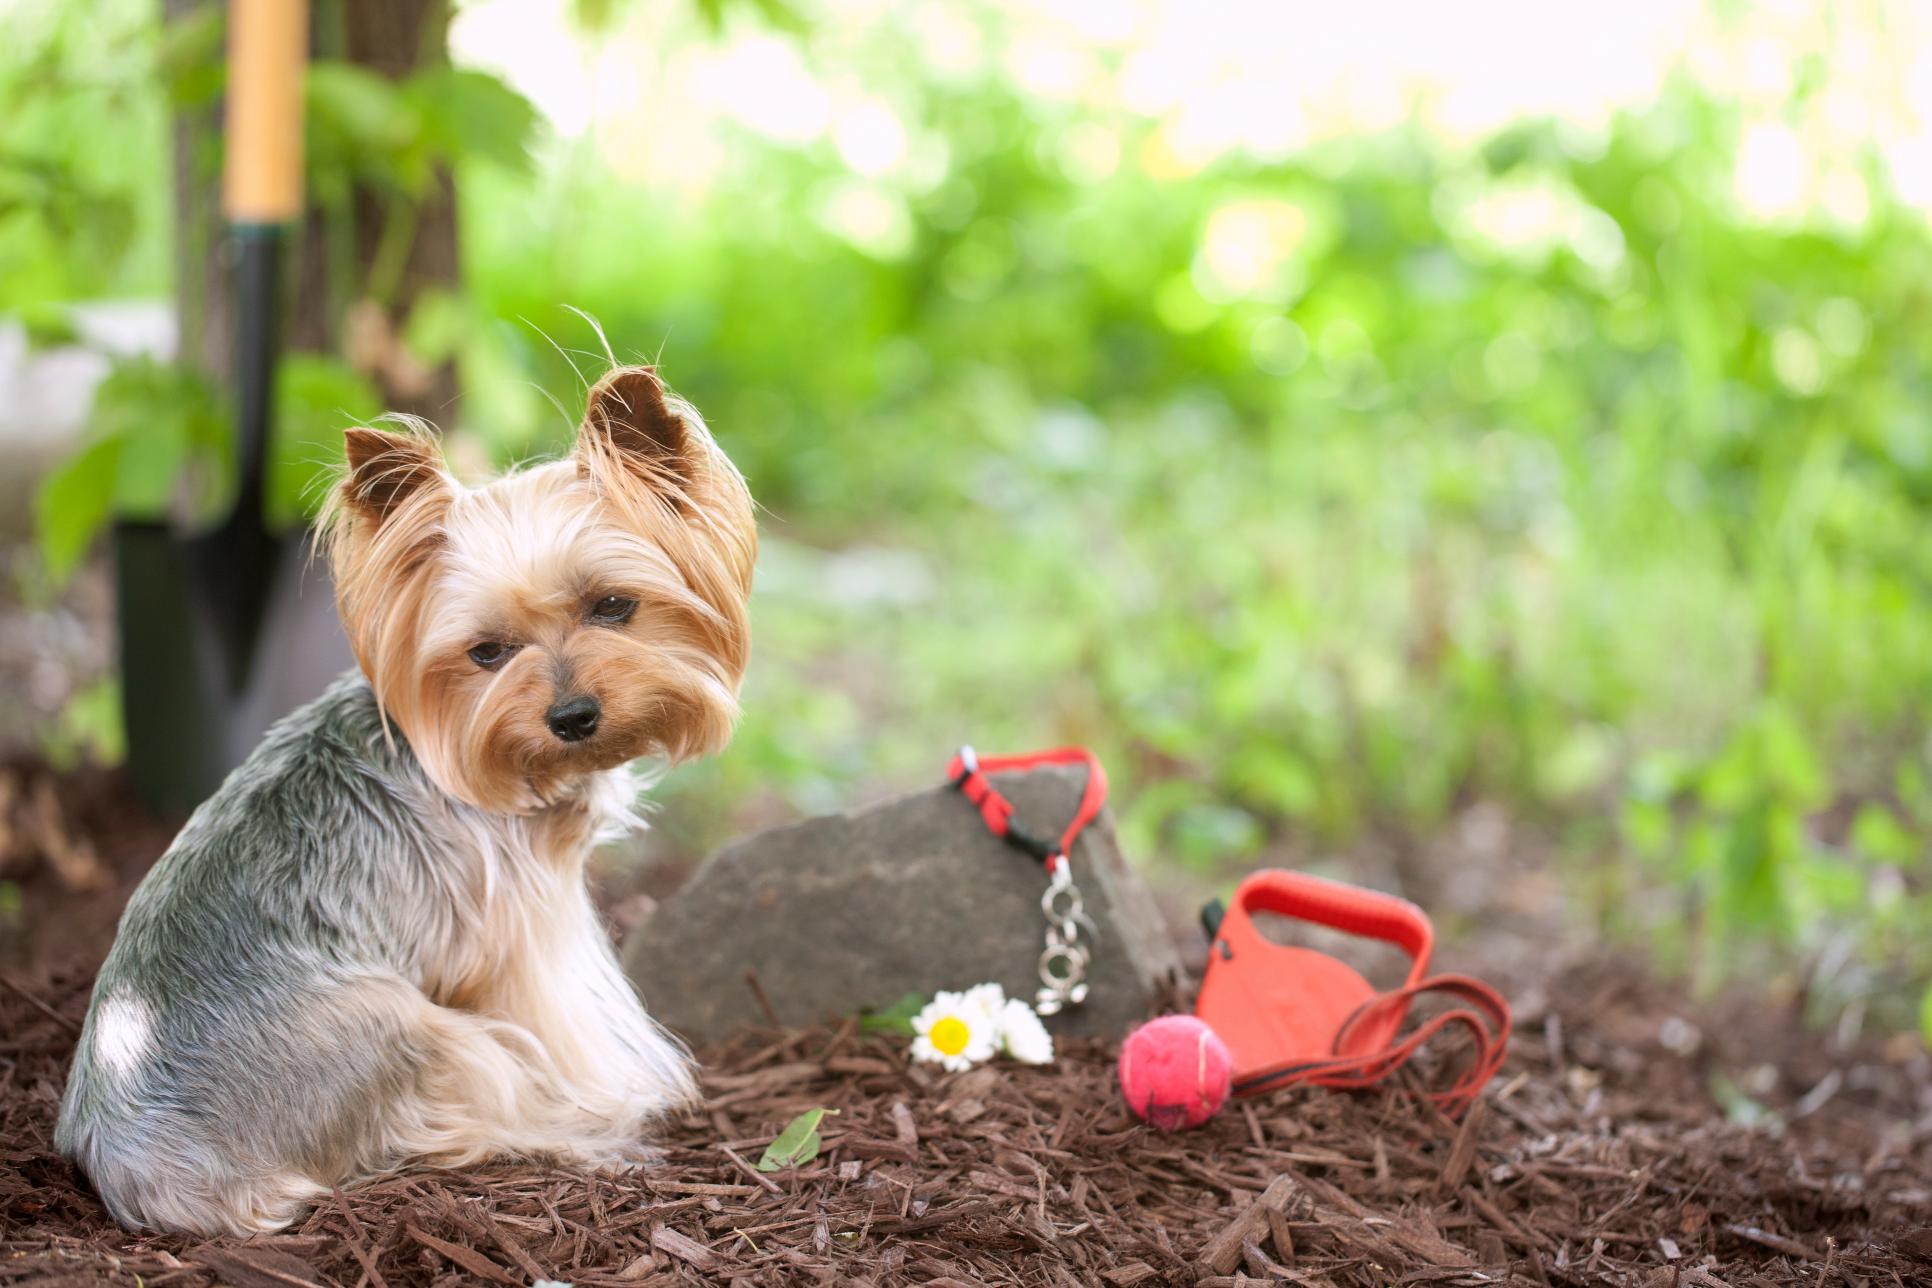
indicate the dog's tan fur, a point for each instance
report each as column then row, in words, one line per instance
column 647, row 506
column 539, row 1034
column 375, row 944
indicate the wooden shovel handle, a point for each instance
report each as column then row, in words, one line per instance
column 267, row 47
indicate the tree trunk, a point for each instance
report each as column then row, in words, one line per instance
column 390, row 37
column 394, row 38
column 201, row 296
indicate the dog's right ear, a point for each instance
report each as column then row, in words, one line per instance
column 386, row 469
column 634, row 423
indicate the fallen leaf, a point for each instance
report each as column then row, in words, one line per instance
column 796, row 1145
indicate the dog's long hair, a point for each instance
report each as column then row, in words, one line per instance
column 648, row 510
column 374, row 943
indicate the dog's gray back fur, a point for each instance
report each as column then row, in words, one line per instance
column 286, row 878
column 226, row 1045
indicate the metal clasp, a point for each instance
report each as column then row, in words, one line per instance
column 1063, row 965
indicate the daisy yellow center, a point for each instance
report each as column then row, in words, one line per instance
column 949, row 1035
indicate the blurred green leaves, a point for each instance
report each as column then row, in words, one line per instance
column 83, row 156
column 189, row 58
column 316, row 398
column 396, row 135
column 158, row 446
column 149, row 421
column 1329, row 495
column 88, row 731
column 73, row 505
column 158, row 443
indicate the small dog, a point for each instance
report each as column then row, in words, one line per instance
column 374, row 943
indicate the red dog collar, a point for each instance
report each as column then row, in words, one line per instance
column 1063, row 963
column 969, row 773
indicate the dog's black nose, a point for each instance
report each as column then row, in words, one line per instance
column 574, row 719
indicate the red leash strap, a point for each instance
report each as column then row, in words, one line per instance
column 968, row 772
column 1485, row 1018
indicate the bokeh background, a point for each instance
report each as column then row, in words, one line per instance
column 1483, row 449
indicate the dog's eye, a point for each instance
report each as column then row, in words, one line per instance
column 490, row 655
column 612, row 610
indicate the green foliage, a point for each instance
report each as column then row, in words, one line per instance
column 158, row 446
column 73, row 505
column 797, row 1145
column 397, row 134
column 88, row 730
column 895, row 1019
column 158, row 442
column 316, row 399
column 393, row 138
column 1737, row 825
column 149, row 422
column 83, row 156
column 189, row 59
column 1318, row 495
column 1325, row 496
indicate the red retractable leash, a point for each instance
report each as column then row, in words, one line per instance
column 1287, row 1015
column 1294, row 1015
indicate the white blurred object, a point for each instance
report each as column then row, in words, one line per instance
column 46, row 393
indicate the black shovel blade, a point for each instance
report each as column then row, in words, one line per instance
column 233, row 572
column 219, row 639
column 171, row 710
column 225, row 631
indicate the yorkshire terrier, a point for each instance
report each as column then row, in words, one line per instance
column 374, row 944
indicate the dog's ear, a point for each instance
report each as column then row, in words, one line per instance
column 632, row 420
column 386, row 469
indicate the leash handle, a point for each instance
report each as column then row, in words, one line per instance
column 1342, row 1033
column 1351, row 909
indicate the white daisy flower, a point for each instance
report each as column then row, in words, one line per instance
column 1022, row 1036
column 990, row 998
column 956, row 1030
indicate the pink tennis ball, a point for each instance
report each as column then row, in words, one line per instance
column 1175, row 1072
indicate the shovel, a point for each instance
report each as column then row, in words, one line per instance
column 219, row 636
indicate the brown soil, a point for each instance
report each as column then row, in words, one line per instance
column 73, row 847
column 1599, row 1156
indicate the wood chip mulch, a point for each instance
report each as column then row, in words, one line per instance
column 1596, row 1158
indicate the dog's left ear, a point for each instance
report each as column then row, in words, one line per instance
column 633, row 421
column 387, row 468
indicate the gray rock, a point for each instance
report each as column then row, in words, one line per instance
column 855, row 911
